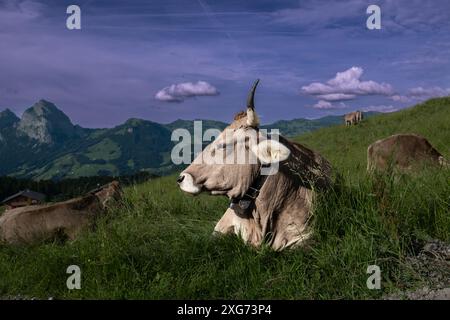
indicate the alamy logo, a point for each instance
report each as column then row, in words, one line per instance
column 374, row 20
column 73, row 21
column 374, row 280
column 74, row 280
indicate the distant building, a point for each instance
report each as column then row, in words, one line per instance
column 23, row 198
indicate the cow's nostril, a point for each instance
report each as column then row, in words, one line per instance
column 180, row 179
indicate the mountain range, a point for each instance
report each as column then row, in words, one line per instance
column 45, row 144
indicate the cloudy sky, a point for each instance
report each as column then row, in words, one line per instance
column 167, row 59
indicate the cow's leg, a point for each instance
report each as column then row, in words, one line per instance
column 293, row 236
column 244, row 227
column 226, row 223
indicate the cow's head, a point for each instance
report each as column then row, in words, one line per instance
column 108, row 193
column 232, row 161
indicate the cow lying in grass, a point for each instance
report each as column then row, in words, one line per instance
column 403, row 152
column 274, row 208
column 62, row 219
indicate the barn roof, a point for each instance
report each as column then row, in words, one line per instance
column 27, row 193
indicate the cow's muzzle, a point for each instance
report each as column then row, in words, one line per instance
column 187, row 184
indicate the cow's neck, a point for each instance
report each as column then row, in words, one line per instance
column 244, row 205
column 282, row 200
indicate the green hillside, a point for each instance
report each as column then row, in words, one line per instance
column 158, row 242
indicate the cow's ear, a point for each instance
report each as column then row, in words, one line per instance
column 271, row 151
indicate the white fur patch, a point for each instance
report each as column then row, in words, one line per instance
column 252, row 118
column 188, row 185
column 271, row 151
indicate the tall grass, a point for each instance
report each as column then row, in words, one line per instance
column 158, row 244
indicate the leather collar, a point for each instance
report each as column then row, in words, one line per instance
column 244, row 205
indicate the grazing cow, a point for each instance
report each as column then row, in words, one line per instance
column 353, row 118
column 402, row 151
column 41, row 222
column 274, row 209
column 350, row 118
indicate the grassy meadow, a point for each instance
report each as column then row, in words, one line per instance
column 158, row 242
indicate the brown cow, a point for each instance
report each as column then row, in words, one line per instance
column 350, row 118
column 41, row 222
column 353, row 118
column 402, row 151
column 275, row 208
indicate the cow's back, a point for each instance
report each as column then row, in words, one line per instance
column 402, row 151
column 310, row 164
column 67, row 218
column 40, row 222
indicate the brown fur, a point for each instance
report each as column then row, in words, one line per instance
column 401, row 151
column 240, row 115
column 68, row 218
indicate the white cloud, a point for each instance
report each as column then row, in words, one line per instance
column 179, row 92
column 400, row 98
column 347, row 84
column 336, row 96
column 322, row 104
column 420, row 92
column 380, row 108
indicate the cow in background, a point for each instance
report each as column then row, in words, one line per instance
column 62, row 219
column 353, row 118
column 403, row 152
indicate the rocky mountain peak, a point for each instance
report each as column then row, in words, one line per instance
column 45, row 123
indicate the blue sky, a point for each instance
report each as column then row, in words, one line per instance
column 170, row 59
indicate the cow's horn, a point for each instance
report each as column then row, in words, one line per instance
column 252, row 117
column 251, row 96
